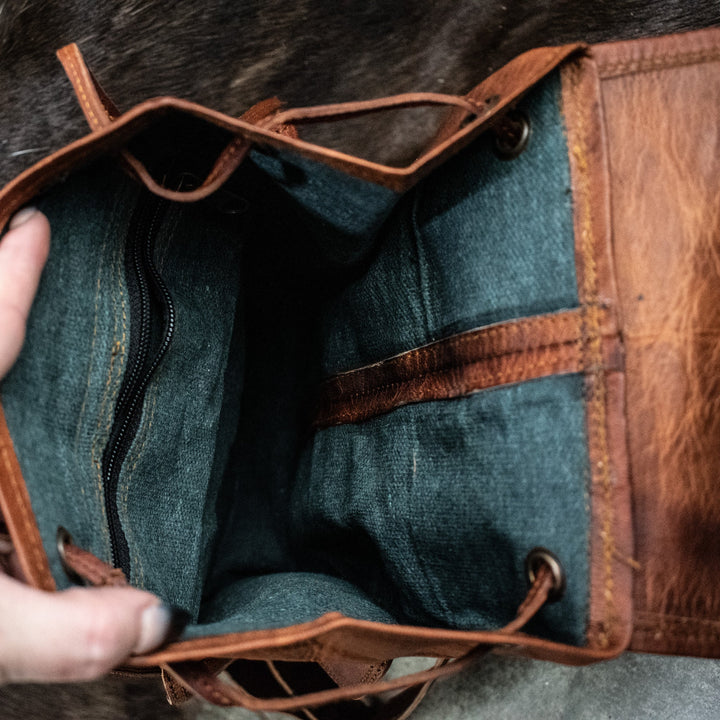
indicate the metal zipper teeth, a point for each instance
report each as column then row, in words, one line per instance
column 129, row 406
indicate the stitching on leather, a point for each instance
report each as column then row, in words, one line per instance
column 596, row 403
column 656, row 626
column 84, row 101
column 627, row 67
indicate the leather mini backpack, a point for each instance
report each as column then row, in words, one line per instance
column 341, row 412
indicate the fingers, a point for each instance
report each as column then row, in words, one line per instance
column 23, row 252
column 78, row 634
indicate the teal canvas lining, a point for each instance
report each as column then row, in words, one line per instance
column 231, row 507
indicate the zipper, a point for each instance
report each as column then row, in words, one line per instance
column 152, row 325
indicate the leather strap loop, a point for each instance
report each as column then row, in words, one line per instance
column 294, row 679
column 219, row 692
column 100, row 112
column 208, row 686
column 228, row 161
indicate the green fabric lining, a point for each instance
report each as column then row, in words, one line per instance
column 232, row 509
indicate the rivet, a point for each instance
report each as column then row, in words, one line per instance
column 539, row 556
column 512, row 134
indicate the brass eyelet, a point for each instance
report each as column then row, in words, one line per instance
column 512, row 134
column 539, row 556
column 62, row 539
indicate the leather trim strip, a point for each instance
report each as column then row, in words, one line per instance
column 490, row 356
column 97, row 107
column 610, row 621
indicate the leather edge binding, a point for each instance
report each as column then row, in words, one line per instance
column 611, row 546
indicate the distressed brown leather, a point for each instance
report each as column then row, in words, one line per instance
column 641, row 121
column 661, row 101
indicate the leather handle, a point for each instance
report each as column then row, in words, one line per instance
column 196, row 677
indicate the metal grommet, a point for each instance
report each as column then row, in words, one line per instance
column 539, row 556
column 512, row 134
column 64, row 538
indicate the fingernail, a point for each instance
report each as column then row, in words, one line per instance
column 22, row 217
column 160, row 624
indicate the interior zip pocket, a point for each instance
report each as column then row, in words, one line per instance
column 152, row 324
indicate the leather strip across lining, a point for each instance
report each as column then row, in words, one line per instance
column 490, row 356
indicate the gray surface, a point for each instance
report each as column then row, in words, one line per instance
column 502, row 688
column 633, row 687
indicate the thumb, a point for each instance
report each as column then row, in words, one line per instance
column 78, row 634
column 23, row 252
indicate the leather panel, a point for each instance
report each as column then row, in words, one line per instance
column 661, row 101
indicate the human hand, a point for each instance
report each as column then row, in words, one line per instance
column 82, row 633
